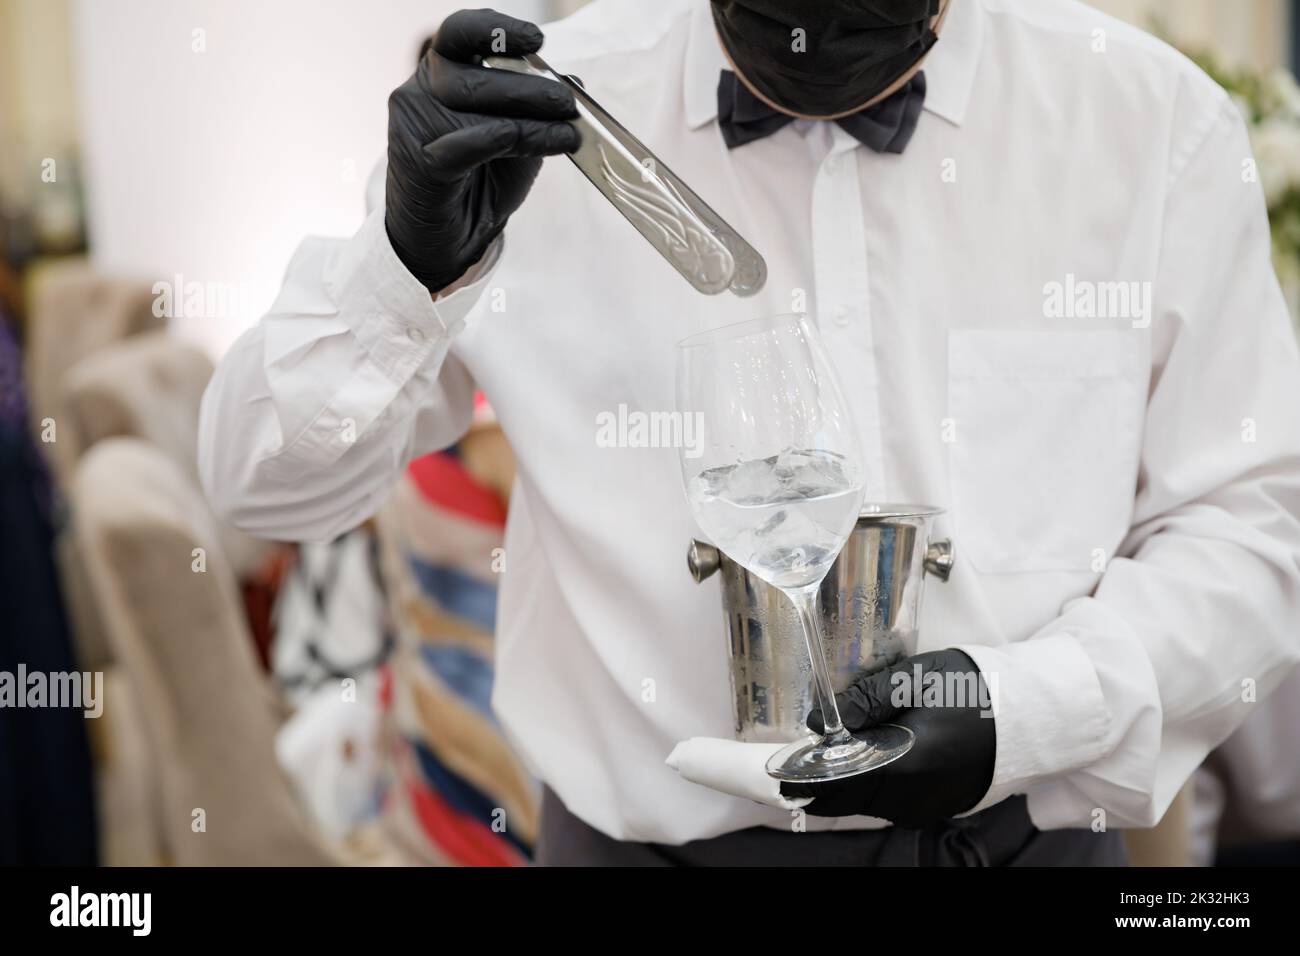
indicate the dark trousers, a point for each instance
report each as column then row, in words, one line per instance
column 47, row 814
column 1002, row 835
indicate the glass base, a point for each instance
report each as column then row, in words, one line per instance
column 810, row 760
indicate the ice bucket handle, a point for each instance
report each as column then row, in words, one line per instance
column 939, row 558
column 703, row 560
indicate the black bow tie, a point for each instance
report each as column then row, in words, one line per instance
column 885, row 127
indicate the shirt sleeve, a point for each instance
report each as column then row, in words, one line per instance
column 1104, row 713
column 313, row 413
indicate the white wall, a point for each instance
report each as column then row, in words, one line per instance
column 215, row 164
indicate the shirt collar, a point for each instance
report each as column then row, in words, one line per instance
column 949, row 69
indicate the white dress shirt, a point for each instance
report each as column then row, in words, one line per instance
column 1122, row 488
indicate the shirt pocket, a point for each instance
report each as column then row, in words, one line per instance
column 1044, row 452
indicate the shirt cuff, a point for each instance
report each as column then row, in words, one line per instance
column 1049, row 711
column 394, row 317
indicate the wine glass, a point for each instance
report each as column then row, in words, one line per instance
column 776, row 480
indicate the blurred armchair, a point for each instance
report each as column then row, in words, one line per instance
column 75, row 312
column 150, row 386
column 176, row 624
column 146, row 385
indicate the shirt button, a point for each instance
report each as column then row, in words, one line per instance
column 841, row 315
column 415, row 335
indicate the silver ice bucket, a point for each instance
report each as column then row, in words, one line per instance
column 869, row 604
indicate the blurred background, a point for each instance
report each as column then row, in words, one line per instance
column 160, row 160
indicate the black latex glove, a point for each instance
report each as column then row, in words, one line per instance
column 947, row 771
column 466, row 142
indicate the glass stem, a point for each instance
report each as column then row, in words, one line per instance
column 805, row 601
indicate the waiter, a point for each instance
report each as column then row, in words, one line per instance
column 1034, row 243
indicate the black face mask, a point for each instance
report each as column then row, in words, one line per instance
column 849, row 51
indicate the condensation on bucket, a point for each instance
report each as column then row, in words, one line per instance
column 869, row 605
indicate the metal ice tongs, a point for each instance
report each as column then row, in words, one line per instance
column 694, row 239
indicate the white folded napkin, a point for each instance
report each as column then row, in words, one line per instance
column 732, row 767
